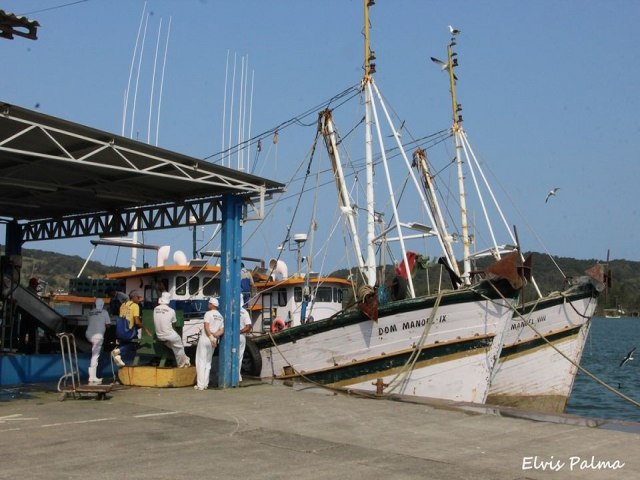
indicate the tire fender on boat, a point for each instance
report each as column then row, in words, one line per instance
column 251, row 361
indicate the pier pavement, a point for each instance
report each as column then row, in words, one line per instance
column 267, row 431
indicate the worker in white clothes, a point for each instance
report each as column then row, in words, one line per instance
column 245, row 328
column 164, row 318
column 97, row 322
column 213, row 329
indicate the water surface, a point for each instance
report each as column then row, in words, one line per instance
column 609, row 341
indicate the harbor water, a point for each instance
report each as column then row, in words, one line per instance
column 609, row 341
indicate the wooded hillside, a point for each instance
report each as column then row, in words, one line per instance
column 625, row 288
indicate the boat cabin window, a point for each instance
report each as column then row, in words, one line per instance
column 181, row 285
column 282, row 297
column 338, row 295
column 194, row 285
column 209, row 287
column 324, row 294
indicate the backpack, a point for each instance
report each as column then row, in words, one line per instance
column 124, row 333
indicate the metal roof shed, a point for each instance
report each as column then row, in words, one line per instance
column 60, row 179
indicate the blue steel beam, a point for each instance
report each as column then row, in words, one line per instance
column 230, row 292
column 122, row 222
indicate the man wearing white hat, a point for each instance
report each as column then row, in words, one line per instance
column 209, row 338
column 97, row 321
column 164, row 317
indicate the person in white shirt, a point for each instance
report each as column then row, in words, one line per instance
column 245, row 328
column 164, row 317
column 209, row 337
column 97, row 322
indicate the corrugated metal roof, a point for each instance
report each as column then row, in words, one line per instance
column 53, row 168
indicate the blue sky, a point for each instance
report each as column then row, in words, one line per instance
column 548, row 88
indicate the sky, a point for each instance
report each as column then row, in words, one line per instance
column 548, row 89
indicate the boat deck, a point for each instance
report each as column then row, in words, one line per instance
column 274, row 431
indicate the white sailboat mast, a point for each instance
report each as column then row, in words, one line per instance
column 420, row 158
column 328, row 132
column 457, row 129
column 369, row 69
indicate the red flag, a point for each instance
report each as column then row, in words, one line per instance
column 402, row 268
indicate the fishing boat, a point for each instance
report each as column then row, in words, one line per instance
column 616, row 312
column 190, row 283
column 613, row 312
column 275, row 297
column 545, row 338
column 284, row 301
column 442, row 344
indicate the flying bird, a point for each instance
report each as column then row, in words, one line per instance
column 628, row 356
column 454, row 31
column 551, row 193
column 443, row 65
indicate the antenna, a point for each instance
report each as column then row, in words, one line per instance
column 135, row 93
column 133, row 59
column 233, row 91
column 153, row 83
column 224, row 102
column 250, row 118
column 240, row 112
column 164, row 64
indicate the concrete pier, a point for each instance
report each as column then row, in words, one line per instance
column 276, row 432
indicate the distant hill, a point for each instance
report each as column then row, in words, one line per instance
column 625, row 288
column 57, row 269
column 54, row 270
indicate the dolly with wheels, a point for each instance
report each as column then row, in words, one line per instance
column 69, row 384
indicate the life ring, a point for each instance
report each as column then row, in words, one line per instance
column 277, row 325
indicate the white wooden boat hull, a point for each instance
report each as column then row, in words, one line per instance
column 532, row 372
column 455, row 362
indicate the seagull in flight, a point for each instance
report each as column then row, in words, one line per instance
column 443, row 65
column 454, row 31
column 628, row 356
column 551, row 193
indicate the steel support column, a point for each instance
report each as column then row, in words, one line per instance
column 13, row 233
column 230, row 290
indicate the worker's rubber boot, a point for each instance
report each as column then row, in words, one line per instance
column 93, row 379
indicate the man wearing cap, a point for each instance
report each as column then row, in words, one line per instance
column 131, row 311
column 97, row 322
column 117, row 298
column 164, row 317
column 209, row 338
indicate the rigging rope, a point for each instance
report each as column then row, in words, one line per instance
column 417, row 349
column 345, row 95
